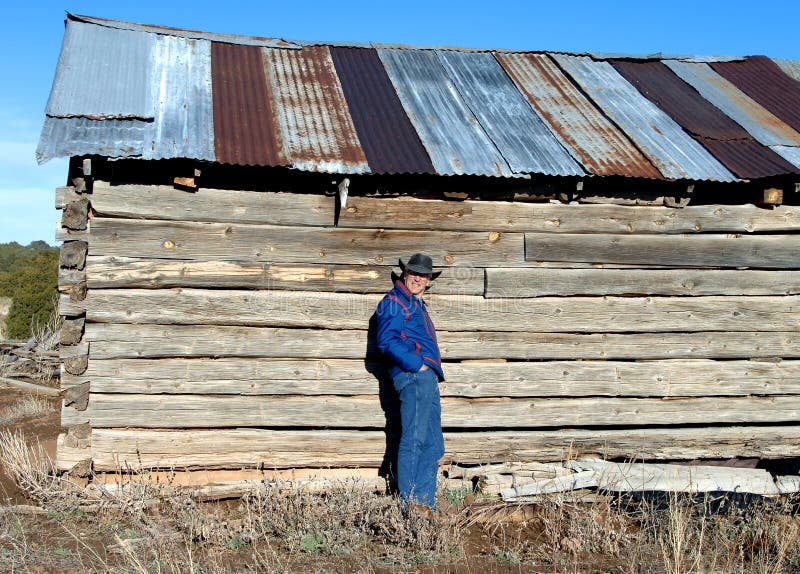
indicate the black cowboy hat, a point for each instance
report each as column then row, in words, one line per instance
column 419, row 263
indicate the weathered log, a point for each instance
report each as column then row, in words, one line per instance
column 75, row 357
column 76, row 215
column 33, row 387
column 527, row 469
column 111, row 341
column 538, row 282
column 636, row 477
column 212, row 205
column 566, row 483
column 274, row 308
column 66, row 195
column 238, row 448
column 407, row 213
column 106, row 272
column 77, row 396
column 72, row 330
column 73, row 255
column 276, row 244
column 759, row 251
column 125, row 272
column 671, row 378
column 192, row 411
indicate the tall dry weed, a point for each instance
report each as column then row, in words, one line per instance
column 30, row 467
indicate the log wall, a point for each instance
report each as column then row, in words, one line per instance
column 225, row 329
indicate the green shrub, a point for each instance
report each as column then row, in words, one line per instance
column 31, row 281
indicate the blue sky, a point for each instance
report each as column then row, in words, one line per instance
column 32, row 32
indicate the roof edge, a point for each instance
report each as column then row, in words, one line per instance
column 183, row 33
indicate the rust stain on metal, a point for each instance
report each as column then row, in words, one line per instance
column 729, row 142
column 317, row 130
column 762, row 80
column 245, row 130
column 602, row 148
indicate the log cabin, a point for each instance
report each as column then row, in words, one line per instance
column 618, row 236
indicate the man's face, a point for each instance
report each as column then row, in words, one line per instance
column 415, row 282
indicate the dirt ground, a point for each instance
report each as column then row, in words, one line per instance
column 66, row 533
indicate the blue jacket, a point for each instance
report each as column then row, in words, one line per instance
column 406, row 335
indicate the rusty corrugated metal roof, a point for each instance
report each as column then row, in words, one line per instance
column 245, row 128
column 670, row 149
column 599, row 145
column 450, row 132
column 520, row 135
column 727, row 140
column 311, row 111
column 761, row 79
column 390, row 142
column 161, row 92
column 759, row 122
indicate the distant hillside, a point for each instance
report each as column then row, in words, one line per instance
column 29, row 277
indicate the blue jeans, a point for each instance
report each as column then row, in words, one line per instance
column 421, row 439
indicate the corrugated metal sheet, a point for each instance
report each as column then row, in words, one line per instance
column 727, row 140
column 184, row 118
column 182, row 33
column 66, row 137
column 448, row 129
column 390, row 142
column 599, row 145
column 312, row 114
column 790, row 154
column 156, row 92
column 245, row 129
column 789, row 67
column 761, row 79
column 117, row 83
column 671, row 149
column 761, row 124
column 523, row 139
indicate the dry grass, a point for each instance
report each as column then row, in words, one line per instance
column 30, row 406
column 148, row 526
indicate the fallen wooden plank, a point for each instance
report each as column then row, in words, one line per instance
column 32, row 387
column 759, row 251
column 565, row 483
column 670, row 378
column 109, row 341
column 410, row 213
column 318, row 245
column 215, row 205
column 125, row 272
column 638, row 477
column 112, row 449
column 526, row 469
column 192, row 411
column 539, row 282
column 275, row 308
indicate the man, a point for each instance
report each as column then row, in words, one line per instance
column 407, row 339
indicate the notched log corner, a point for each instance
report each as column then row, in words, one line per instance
column 79, row 436
column 73, row 254
column 77, row 396
column 82, row 469
column 76, row 365
column 76, row 215
column 72, row 331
